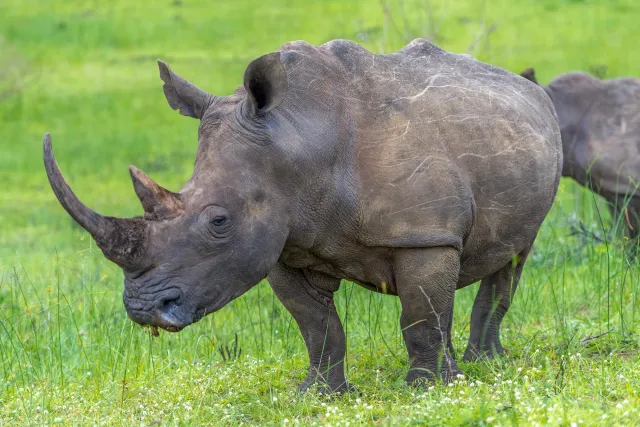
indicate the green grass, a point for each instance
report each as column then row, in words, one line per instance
column 86, row 72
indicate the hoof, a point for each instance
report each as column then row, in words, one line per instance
column 473, row 354
column 423, row 378
column 452, row 375
column 326, row 389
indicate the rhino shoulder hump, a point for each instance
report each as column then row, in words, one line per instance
column 295, row 45
column 341, row 47
column 347, row 52
column 420, row 48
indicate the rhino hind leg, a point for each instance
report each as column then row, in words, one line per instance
column 308, row 296
column 489, row 308
column 426, row 282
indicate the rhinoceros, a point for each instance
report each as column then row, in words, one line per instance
column 600, row 127
column 414, row 174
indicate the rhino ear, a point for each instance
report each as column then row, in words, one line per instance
column 182, row 95
column 265, row 81
column 530, row 74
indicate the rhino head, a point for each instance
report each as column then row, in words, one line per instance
column 572, row 95
column 194, row 251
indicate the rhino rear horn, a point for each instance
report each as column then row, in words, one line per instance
column 158, row 202
column 181, row 95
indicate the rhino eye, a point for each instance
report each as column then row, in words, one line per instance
column 218, row 221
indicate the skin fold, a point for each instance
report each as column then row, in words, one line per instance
column 414, row 174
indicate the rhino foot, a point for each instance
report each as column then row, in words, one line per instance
column 326, row 388
column 422, row 378
column 474, row 354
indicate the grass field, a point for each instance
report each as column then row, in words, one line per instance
column 86, row 72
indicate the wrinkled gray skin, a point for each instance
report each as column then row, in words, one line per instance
column 413, row 174
column 600, row 127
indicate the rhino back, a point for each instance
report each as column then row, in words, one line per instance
column 433, row 148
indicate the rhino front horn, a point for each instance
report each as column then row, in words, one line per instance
column 97, row 225
column 120, row 239
column 157, row 202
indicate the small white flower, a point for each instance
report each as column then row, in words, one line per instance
column 619, row 406
column 275, row 399
column 286, row 421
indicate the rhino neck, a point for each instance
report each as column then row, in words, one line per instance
column 325, row 206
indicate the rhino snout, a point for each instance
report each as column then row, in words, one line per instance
column 165, row 311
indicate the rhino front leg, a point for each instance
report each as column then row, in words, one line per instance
column 308, row 296
column 426, row 282
column 489, row 308
column 625, row 212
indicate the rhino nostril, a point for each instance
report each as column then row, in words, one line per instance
column 169, row 301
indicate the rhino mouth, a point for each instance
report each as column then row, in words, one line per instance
column 171, row 317
column 168, row 321
column 170, row 311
